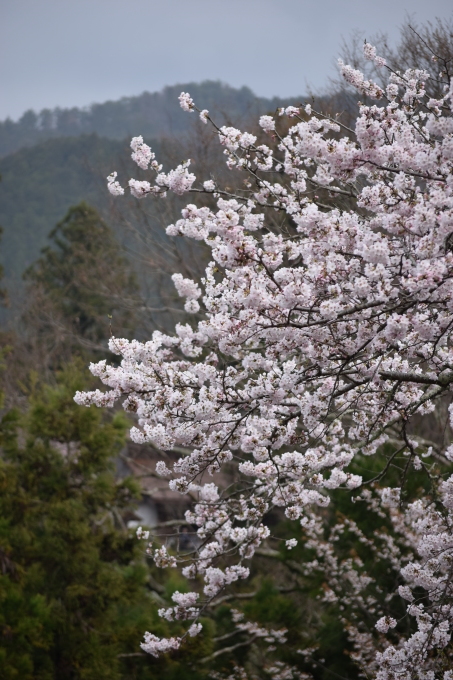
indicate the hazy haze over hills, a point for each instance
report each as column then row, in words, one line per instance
column 54, row 159
column 151, row 114
column 66, row 53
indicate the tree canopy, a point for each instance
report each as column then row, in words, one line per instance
column 81, row 285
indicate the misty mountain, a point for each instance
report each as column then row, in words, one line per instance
column 55, row 159
column 151, row 114
column 39, row 184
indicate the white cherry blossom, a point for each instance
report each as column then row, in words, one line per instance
column 316, row 344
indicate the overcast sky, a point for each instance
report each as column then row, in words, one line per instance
column 75, row 52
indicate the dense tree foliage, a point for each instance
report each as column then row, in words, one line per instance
column 72, row 584
column 39, row 186
column 80, row 282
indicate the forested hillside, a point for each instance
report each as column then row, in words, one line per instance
column 152, row 114
column 283, row 506
column 39, row 184
column 55, row 159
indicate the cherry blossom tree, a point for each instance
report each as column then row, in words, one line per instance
column 321, row 338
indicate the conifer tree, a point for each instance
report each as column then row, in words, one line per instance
column 72, row 582
column 80, row 281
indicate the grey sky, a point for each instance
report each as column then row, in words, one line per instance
column 75, row 52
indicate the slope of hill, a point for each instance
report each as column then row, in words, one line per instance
column 153, row 115
column 38, row 186
column 55, row 159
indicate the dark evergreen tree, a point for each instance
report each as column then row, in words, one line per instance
column 80, row 282
column 75, row 590
column 72, row 583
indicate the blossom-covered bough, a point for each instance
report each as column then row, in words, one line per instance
column 324, row 333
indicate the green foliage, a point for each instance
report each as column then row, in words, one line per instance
column 74, row 594
column 41, row 184
column 3, row 294
column 72, row 582
column 84, row 278
column 38, row 187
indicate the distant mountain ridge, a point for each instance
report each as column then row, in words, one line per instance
column 151, row 114
column 54, row 159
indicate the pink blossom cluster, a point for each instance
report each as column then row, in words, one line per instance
column 179, row 180
column 317, row 343
column 142, row 154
